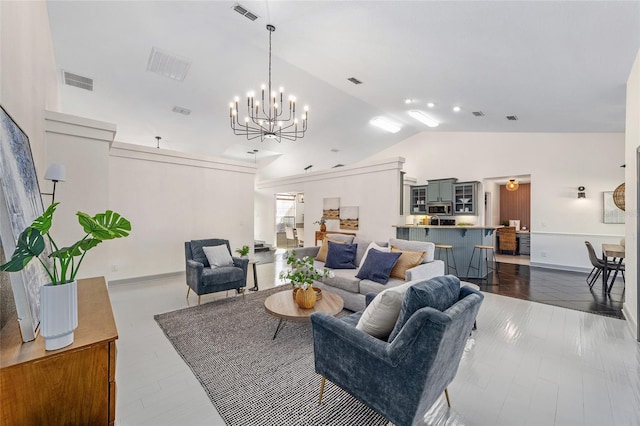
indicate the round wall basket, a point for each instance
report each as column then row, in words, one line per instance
column 618, row 196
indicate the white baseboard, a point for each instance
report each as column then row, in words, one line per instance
column 633, row 326
column 145, row 278
column 560, row 267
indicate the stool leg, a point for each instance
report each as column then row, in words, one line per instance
column 470, row 261
column 453, row 258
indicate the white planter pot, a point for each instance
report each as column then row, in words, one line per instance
column 58, row 314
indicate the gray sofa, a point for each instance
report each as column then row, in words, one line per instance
column 352, row 289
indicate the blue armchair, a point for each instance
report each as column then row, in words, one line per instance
column 403, row 377
column 204, row 280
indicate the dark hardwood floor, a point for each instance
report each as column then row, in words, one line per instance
column 559, row 288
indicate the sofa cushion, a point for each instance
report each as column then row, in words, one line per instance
column 438, row 293
column 324, row 249
column 379, row 318
column 343, row 279
column 218, row 256
column 408, row 259
column 341, row 256
column 363, row 246
column 430, row 248
column 368, row 286
column 377, row 266
column 221, row 275
column 373, row 245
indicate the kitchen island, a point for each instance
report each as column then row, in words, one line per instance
column 462, row 238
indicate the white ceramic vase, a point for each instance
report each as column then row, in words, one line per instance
column 58, row 314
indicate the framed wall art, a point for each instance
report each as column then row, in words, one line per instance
column 20, row 204
column 610, row 212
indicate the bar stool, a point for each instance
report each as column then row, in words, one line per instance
column 448, row 248
column 486, row 249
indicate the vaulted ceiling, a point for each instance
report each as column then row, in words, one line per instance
column 559, row 66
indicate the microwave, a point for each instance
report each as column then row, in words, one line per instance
column 443, row 209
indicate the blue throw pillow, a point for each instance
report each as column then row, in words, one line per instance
column 439, row 293
column 378, row 265
column 341, row 256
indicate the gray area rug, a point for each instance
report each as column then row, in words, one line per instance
column 252, row 379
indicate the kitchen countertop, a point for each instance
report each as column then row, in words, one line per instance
column 447, row 226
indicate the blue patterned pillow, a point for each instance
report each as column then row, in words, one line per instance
column 341, row 256
column 378, row 265
column 439, row 293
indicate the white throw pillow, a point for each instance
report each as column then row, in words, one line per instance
column 375, row 246
column 382, row 313
column 218, row 256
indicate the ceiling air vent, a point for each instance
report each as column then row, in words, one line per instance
column 478, row 113
column 181, row 110
column 167, row 65
column 245, row 12
column 512, row 118
column 76, row 80
column 354, row 80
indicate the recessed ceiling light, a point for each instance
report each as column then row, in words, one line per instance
column 423, row 118
column 431, row 104
column 456, row 109
column 386, row 124
column 408, row 101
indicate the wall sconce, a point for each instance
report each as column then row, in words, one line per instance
column 56, row 173
column 512, row 185
column 581, row 193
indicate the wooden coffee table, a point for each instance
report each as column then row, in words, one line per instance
column 282, row 306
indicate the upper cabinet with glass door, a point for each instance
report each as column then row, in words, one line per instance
column 465, row 198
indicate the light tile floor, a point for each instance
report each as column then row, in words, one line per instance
column 527, row 364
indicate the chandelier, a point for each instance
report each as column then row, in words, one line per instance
column 512, row 185
column 266, row 117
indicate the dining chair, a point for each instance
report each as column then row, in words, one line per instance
column 597, row 263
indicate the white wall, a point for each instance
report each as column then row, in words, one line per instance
column 557, row 162
column 372, row 186
column 171, row 198
column 632, row 138
column 82, row 146
column 27, row 71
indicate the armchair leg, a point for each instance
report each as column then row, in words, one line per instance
column 446, row 394
column 242, row 289
column 321, row 390
column 188, row 290
column 198, row 299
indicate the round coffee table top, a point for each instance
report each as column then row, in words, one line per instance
column 282, row 305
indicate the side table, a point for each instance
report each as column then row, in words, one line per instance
column 253, row 263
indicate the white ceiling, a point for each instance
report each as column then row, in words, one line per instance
column 559, row 66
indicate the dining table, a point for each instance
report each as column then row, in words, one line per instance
column 616, row 252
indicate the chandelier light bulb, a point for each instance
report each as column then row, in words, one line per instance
column 230, row 104
column 234, row 112
column 280, row 123
column 246, row 119
column 263, row 86
column 306, row 107
column 236, row 99
column 281, row 89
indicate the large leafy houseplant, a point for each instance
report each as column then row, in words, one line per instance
column 65, row 261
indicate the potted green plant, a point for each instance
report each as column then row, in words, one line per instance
column 243, row 251
column 58, row 299
column 302, row 275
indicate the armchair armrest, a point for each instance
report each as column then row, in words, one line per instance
column 194, row 273
column 326, row 327
column 241, row 263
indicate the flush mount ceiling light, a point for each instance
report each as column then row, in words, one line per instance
column 456, row 109
column 265, row 118
column 423, row 118
column 512, row 185
column 386, row 124
column 431, row 104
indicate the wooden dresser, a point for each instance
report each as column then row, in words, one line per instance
column 75, row 385
column 320, row 235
